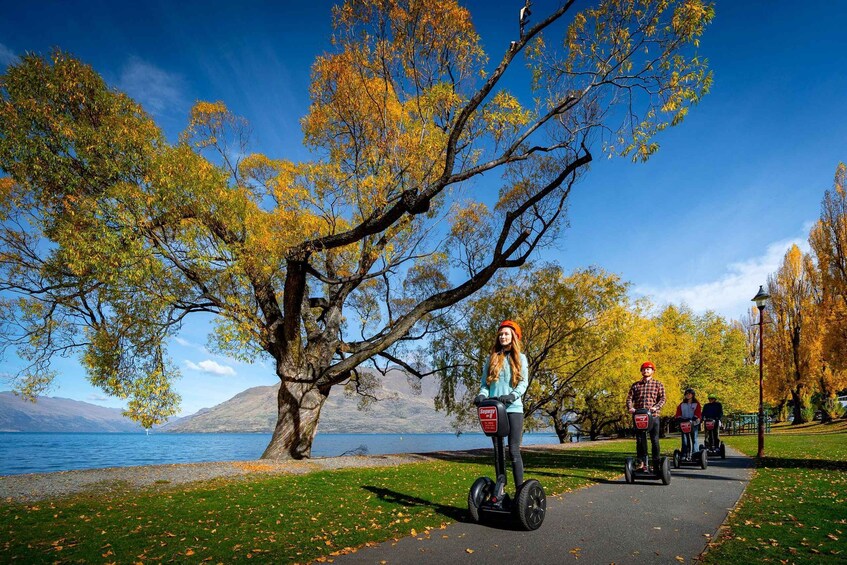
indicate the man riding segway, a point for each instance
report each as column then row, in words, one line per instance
column 644, row 400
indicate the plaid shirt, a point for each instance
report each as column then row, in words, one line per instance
column 646, row 393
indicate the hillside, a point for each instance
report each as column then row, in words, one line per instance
column 401, row 410
column 52, row 414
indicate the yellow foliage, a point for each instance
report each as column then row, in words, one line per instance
column 504, row 115
column 6, row 187
column 469, row 218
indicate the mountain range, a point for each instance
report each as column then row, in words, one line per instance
column 51, row 414
column 401, row 409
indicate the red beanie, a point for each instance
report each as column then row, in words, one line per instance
column 648, row 364
column 510, row 324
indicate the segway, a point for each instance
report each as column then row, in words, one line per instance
column 658, row 469
column 714, row 448
column 488, row 499
column 687, row 455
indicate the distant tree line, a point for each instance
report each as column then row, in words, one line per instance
column 585, row 338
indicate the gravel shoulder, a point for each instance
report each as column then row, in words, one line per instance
column 32, row 487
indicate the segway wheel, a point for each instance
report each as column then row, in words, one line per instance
column 666, row 471
column 723, row 451
column 677, row 456
column 479, row 493
column 628, row 471
column 704, row 459
column 531, row 505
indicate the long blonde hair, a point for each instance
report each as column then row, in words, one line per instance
column 498, row 356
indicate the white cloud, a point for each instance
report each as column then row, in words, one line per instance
column 191, row 345
column 155, row 89
column 209, row 366
column 7, row 56
column 730, row 295
column 98, row 398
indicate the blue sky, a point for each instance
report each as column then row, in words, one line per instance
column 703, row 222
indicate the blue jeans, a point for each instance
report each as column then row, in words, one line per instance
column 685, row 447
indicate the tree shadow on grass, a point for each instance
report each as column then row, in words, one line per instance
column 471, row 456
column 819, row 464
column 457, row 514
column 408, row 501
column 731, row 462
column 594, row 460
column 559, row 463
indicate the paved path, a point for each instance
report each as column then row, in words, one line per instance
column 611, row 522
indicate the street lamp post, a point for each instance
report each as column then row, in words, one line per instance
column 761, row 299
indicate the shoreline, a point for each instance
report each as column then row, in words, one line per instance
column 34, row 487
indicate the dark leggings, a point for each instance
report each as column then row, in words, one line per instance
column 515, row 433
column 641, row 444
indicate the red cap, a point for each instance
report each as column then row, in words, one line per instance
column 510, row 324
column 648, row 364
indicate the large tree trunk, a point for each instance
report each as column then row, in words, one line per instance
column 299, row 408
column 560, row 426
column 594, row 431
column 598, row 424
column 799, row 405
column 779, row 410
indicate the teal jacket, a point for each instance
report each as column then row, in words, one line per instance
column 503, row 384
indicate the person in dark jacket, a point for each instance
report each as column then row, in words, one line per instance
column 713, row 410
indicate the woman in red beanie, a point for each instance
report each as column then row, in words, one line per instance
column 505, row 376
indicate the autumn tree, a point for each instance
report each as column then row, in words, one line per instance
column 111, row 236
column 569, row 324
column 598, row 402
column 717, row 364
column 703, row 351
column 671, row 343
column 828, row 239
column 792, row 337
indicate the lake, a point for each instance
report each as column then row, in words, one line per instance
column 37, row 452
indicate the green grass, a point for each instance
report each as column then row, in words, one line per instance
column 288, row 518
column 795, row 508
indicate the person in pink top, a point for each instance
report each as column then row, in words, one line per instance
column 690, row 408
